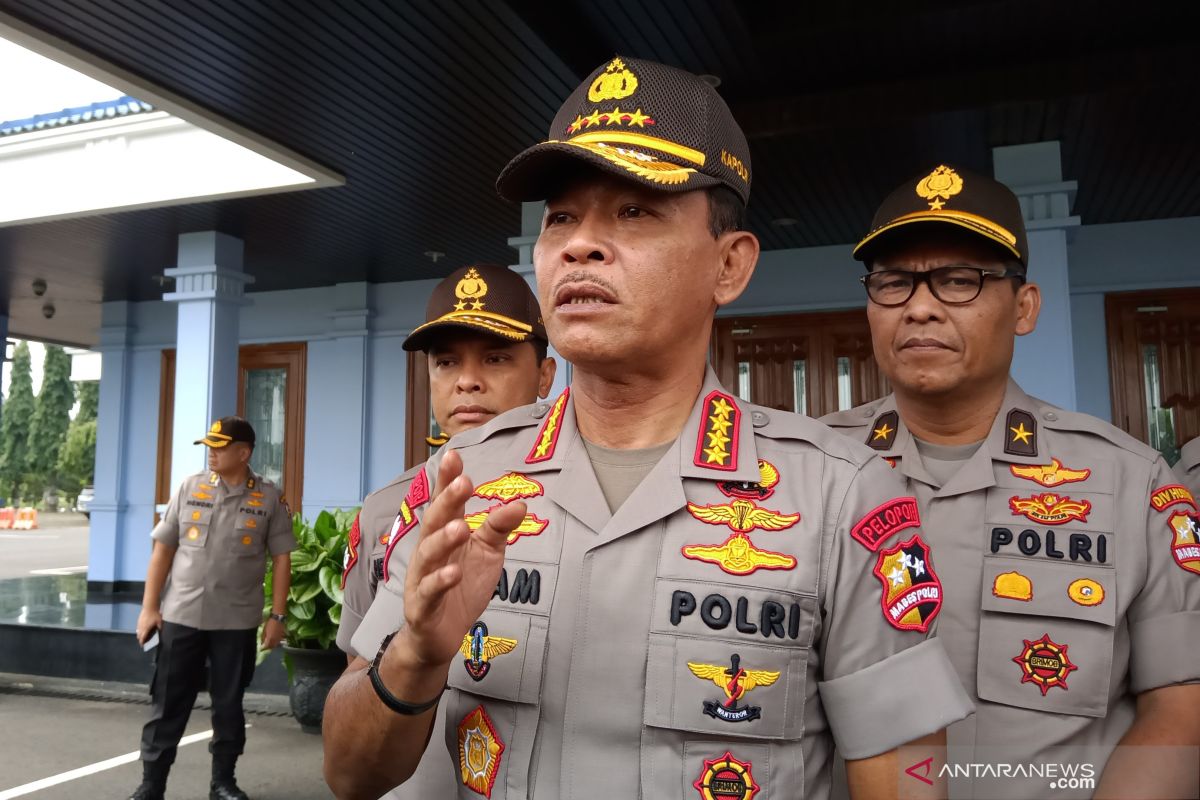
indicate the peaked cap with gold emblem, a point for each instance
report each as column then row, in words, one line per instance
column 228, row 430
column 951, row 196
column 650, row 123
column 482, row 297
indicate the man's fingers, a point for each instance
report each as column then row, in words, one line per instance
column 450, row 503
column 435, row 549
column 502, row 521
column 449, row 469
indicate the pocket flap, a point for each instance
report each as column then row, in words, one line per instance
column 191, row 515
column 1049, row 589
column 725, row 688
column 502, row 656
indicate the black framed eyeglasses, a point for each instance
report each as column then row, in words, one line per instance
column 953, row 285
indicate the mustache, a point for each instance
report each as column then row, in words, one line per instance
column 580, row 276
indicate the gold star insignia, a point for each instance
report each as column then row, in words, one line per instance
column 593, row 118
column 460, row 305
column 574, row 126
column 717, row 439
column 936, row 205
column 720, row 425
column 715, row 455
column 1020, row 434
column 722, row 408
column 883, row 431
column 638, row 118
column 477, row 304
column 615, row 65
column 614, row 116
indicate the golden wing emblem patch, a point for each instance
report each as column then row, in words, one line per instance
column 478, row 649
column 742, row 516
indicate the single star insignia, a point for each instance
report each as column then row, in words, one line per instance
column 1051, row 474
column 883, row 431
column 1023, row 428
column 742, row 516
column 1020, row 434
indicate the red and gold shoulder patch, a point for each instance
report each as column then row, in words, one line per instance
column 506, row 488
column 881, row 522
column 418, row 490
column 405, row 521
column 1044, row 664
column 547, row 438
column 1164, row 497
column 1050, row 509
column 717, row 439
column 1186, row 545
column 726, row 778
column 479, row 752
column 353, row 541
column 737, row 555
column 532, row 525
column 1051, row 474
column 912, row 592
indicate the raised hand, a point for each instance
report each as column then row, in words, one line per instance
column 453, row 571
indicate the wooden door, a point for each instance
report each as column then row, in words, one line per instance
column 808, row 363
column 1154, row 366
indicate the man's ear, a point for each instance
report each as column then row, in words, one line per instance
column 1029, row 305
column 739, row 253
column 546, row 372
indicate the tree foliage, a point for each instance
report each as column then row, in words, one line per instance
column 88, row 393
column 77, row 459
column 51, row 418
column 16, row 414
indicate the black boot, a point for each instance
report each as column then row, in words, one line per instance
column 154, row 781
column 223, row 786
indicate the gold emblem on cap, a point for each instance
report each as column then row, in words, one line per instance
column 939, row 186
column 216, row 427
column 615, row 83
column 471, row 289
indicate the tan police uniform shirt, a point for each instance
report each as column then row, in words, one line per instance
column 1188, row 467
column 717, row 633
column 380, row 518
column 223, row 535
column 1071, row 583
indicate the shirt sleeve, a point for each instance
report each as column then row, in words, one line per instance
column 167, row 529
column 1164, row 619
column 880, row 605
column 280, row 537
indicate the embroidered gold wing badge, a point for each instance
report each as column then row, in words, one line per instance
column 1051, row 509
column 479, row 649
column 513, row 486
column 742, row 516
column 532, row 525
column 1051, row 474
column 737, row 555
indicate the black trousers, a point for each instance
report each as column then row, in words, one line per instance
column 179, row 677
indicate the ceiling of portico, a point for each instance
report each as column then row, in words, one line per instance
column 419, row 104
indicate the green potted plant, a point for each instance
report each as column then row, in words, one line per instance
column 314, row 610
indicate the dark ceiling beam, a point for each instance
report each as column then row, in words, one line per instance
column 885, row 102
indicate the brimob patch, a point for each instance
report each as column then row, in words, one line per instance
column 479, row 752
column 1044, row 664
column 912, row 591
column 726, row 778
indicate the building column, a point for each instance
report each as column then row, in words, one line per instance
column 335, row 433
column 3, row 353
column 106, row 538
column 531, row 226
column 1044, row 361
column 209, row 291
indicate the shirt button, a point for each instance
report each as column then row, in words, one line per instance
column 759, row 418
column 866, row 412
column 1050, row 416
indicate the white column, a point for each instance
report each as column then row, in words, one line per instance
column 209, row 291
column 531, row 226
column 106, row 536
column 3, row 352
column 1044, row 361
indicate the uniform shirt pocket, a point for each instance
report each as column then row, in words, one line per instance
column 1046, row 635
column 193, row 526
column 248, row 535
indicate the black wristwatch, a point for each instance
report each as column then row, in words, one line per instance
column 390, row 700
column 280, row 618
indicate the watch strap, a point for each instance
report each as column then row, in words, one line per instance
column 390, row 700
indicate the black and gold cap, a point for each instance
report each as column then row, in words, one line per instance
column 228, row 430
column 951, row 196
column 482, row 297
column 641, row 120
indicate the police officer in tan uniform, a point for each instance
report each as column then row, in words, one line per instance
column 486, row 351
column 646, row 588
column 213, row 543
column 1188, row 466
column 1071, row 575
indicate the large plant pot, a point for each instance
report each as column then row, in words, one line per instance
column 313, row 674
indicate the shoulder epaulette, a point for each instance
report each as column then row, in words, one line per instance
column 856, row 417
column 1057, row 419
column 519, row 417
column 774, row 424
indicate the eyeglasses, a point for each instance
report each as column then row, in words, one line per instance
column 953, row 285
